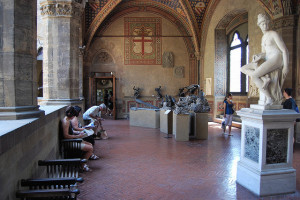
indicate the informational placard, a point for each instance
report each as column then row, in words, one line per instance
column 167, row 112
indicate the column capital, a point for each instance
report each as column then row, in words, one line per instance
column 61, row 8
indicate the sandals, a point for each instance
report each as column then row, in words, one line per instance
column 94, row 157
column 86, row 168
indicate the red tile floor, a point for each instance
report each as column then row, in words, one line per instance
column 140, row 164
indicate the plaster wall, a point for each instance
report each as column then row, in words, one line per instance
column 255, row 34
column 23, row 143
column 146, row 77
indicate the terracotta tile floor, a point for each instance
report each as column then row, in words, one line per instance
column 140, row 164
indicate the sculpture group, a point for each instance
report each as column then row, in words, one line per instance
column 185, row 104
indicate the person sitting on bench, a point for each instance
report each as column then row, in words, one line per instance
column 68, row 134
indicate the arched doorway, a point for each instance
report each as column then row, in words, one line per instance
column 102, row 83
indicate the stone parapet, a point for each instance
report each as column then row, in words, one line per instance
column 20, row 112
column 24, row 142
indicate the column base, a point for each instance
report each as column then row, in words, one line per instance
column 20, row 112
column 48, row 102
column 265, row 183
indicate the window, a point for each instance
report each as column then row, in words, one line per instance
column 238, row 56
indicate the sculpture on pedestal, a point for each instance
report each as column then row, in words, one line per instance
column 268, row 69
column 197, row 104
column 158, row 90
column 136, row 92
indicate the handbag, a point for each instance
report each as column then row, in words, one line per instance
column 104, row 135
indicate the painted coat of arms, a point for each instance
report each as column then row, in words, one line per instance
column 142, row 41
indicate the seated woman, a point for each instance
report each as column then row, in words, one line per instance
column 77, row 129
column 68, row 134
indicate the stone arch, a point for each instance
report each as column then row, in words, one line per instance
column 221, row 52
column 193, row 23
column 102, row 56
column 116, row 9
column 98, row 20
column 164, row 11
column 103, row 60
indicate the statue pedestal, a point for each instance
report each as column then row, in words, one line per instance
column 144, row 117
column 181, row 127
column 166, row 121
column 201, row 126
column 265, row 165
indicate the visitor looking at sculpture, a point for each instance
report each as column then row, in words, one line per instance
column 289, row 102
column 228, row 113
column 268, row 69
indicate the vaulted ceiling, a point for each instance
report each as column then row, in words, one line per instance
column 191, row 13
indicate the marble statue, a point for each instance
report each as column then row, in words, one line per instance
column 269, row 68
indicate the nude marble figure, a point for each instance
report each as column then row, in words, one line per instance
column 269, row 68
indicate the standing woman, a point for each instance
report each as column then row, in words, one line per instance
column 228, row 113
column 68, row 134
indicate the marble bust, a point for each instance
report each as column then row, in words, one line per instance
column 269, row 68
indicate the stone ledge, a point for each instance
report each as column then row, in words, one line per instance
column 13, row 132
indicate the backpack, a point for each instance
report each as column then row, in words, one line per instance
column 294, row 106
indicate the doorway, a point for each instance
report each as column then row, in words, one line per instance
column 102, row 90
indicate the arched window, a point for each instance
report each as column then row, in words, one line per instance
column 238, row 56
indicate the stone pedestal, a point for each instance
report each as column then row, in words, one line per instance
column 201, row 126
column 61, row 58
column 265, row 166
column 166, row 121
column 144, row 117
column 181, row 127
column 297, row 132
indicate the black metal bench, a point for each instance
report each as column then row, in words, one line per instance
column 47, row 194
column 62, row 167
column 71, row 148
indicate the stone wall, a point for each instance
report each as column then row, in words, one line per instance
column 23, row 143
column 110, row 42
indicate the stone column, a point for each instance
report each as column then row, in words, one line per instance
column 286, row 26
column 18, row 87
column 62, row 21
